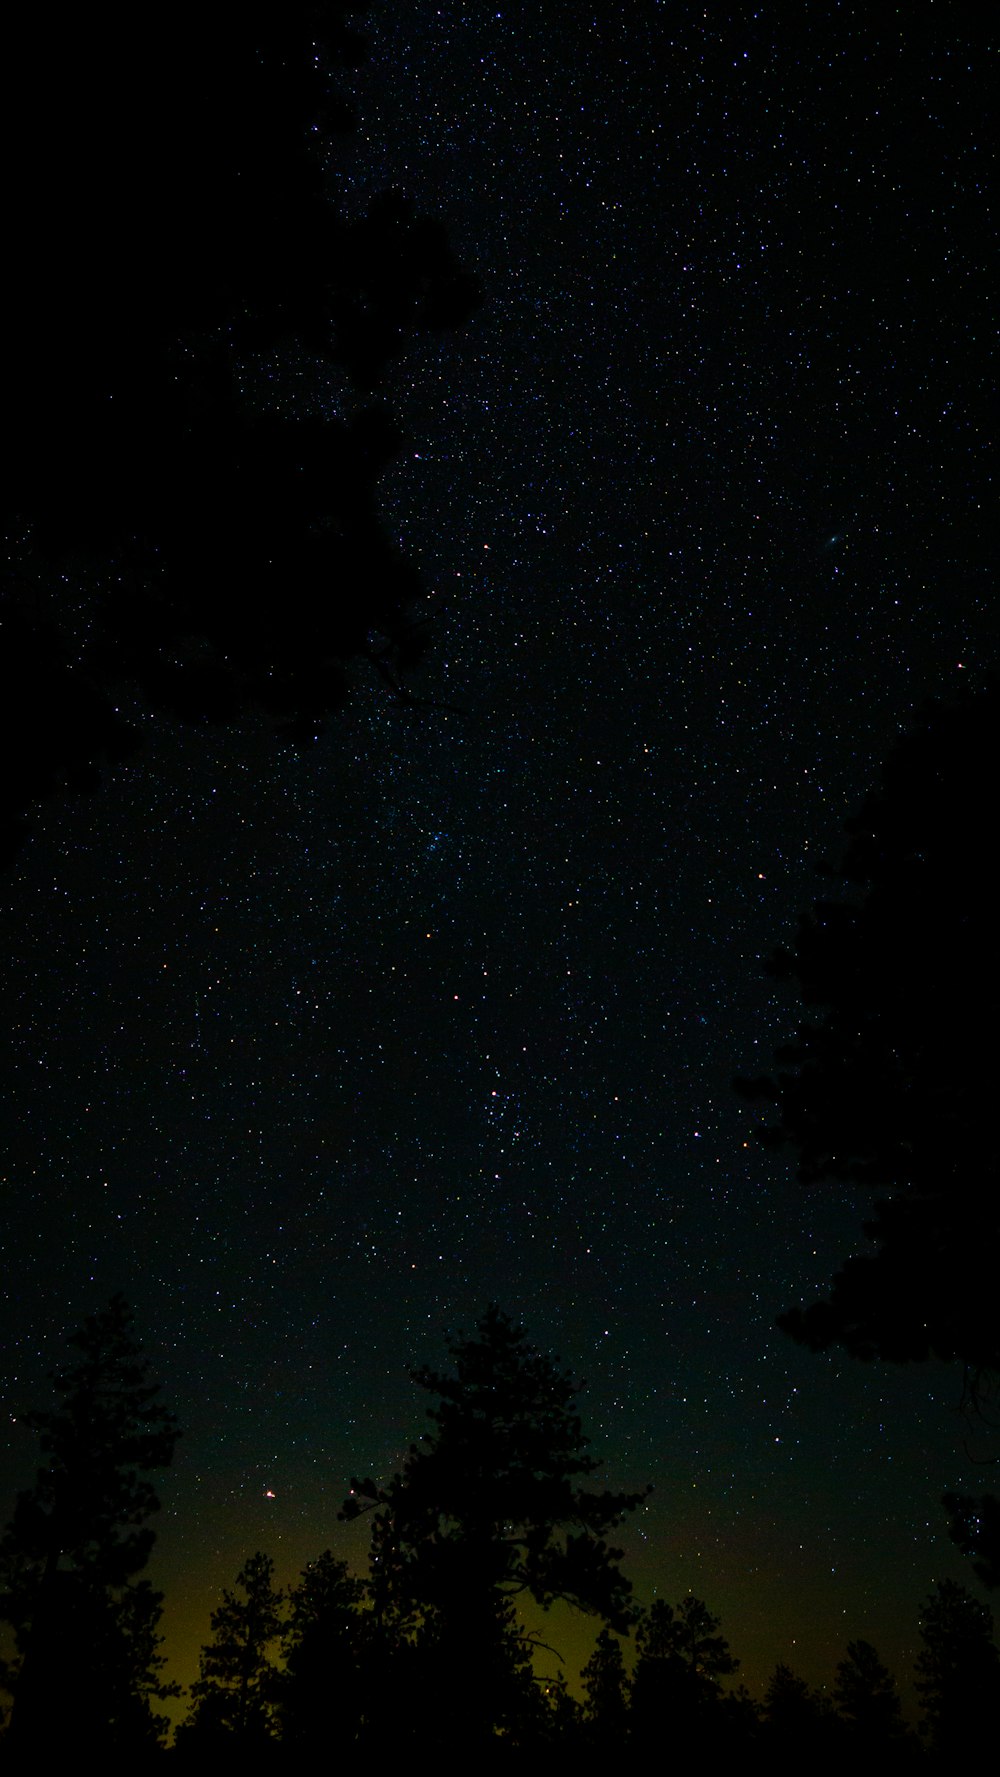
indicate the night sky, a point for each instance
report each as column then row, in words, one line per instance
column 315, row 1055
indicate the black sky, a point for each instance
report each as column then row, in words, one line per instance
column 314, row 1056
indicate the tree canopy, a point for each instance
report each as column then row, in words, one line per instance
column 492, row 1496
column 958, row 1672
column 888, row 1087
column 429, row 1653
column 85, row 1626
column 682, row 1659
column 236, row 1696
column 866, row 1696
column 490, row 1505
column 325, row 1639
column 89, row 1507
column 190, row 495
column 888, row 1084
column 606, row 1690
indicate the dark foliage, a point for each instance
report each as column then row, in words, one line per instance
column 606, row 1689
column 327, row 1641
column 958, row 1673
column 494, row 1489
column 889, row 1083
column 559, row 1724
column 676, row 1686
column 235, row 1700
column 428, row 1656
column 489, row 1506
column 798, row 1722
column 867, row 1700
column 184, row 519
column 85, row 1628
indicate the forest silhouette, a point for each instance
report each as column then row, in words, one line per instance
column 224, row 544
column 427, row 1652
column 191, row 497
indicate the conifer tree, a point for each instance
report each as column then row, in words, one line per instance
column 560, row 1723
column 889, row 1082
column 682, row 1659
column 866, row 1697
column 798, row 1720
column 958, row 1672
column 326, row 1640
column 87, row 1669
column 606, row 1690
column 490, row 1505
column 238, row 1693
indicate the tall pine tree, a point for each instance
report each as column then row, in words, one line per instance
column 238, row 1694
column 493, row 1504
column 958, row 1672
column 87, row 1671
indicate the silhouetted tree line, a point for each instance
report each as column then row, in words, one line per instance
column 427, row 1653
column 194, row 328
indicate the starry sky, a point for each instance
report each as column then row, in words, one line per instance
column 313, row 1056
